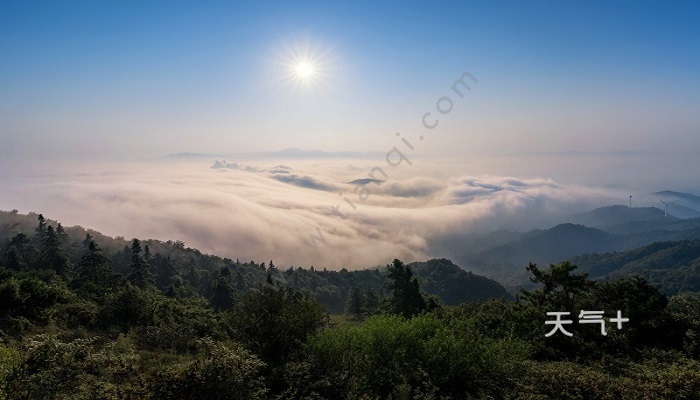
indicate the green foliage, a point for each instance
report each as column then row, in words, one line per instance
column 165, row 271
column 94, row 277
column 673, row 266
column 127, row 307
column 26, row 297
column 52, row 369
column 684, row 310
column 217, row 372
column 652, row 379
column 354, row 306
column 177, row 325
column 649, row 323
column 406, row 298
column 14, row 259
column 560, row 286
column 52, row 255
column 116, row 339
column 428, row 354
column 141, row 275
column 10, row 359
column 275, row 323
column 453, row 285
column 224, row 294
column 78, row 312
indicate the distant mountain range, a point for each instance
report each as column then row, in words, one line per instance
column 191, row 156
column 612, row 217
column 557, row 243
column 674, row 266
column 288, row 153
column 604, row 230
column 683, row 205
column 365, row 181
column 293, row 152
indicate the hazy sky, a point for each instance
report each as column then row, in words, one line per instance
column 139, row 79
column 573, row 105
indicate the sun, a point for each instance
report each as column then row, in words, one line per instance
column 306, row 66
column 304, row 70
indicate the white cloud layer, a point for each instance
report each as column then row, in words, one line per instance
column 301, row 215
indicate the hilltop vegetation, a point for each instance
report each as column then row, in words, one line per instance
column 674, row 266
column 182, row 325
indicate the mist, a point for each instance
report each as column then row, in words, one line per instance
column 296, row 212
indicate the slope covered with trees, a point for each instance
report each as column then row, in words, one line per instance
column 506, row 262
column 72, row 326
column 674, row 266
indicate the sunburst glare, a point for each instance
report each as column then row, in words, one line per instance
column 307, row 67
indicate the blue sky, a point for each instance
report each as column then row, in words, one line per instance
column 578, row 104
column 143, row 79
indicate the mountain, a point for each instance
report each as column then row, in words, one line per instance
column 550, row 245
column 613, row 217
column 506, row 263
column 674, row 266
column 688, row 198
column 293, row 152
column 441, row 277
column 631, row 241
column 684, row 205
column 365, row 181
column 622, row 220
column 191, row 156
column 454, row 285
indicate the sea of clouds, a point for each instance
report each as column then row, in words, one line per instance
column 323, row 213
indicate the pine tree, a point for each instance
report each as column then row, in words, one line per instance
column 371, row 302
column 17, row 252
column 147, row 254
column 40, row 229
column 51, row 254
column 192, row 276
column 406, row 298
column 224, row 295
column 354, row 305
column 93, row 272
column 296, row 284
column 171, row 292
column 14, row 259
column 561, row 286
column 164, row 269
column 61, row 233
column 141, row 275
column 240, row 282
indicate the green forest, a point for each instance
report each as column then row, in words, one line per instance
column 85, row 316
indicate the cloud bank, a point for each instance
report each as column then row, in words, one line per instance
column 304, row 214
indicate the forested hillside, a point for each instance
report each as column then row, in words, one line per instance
column 674, row 266
column 189, row 272
column 75, row 324
column 506, row 262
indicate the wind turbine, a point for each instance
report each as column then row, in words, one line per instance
column 630, row 201
column 666, row 207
